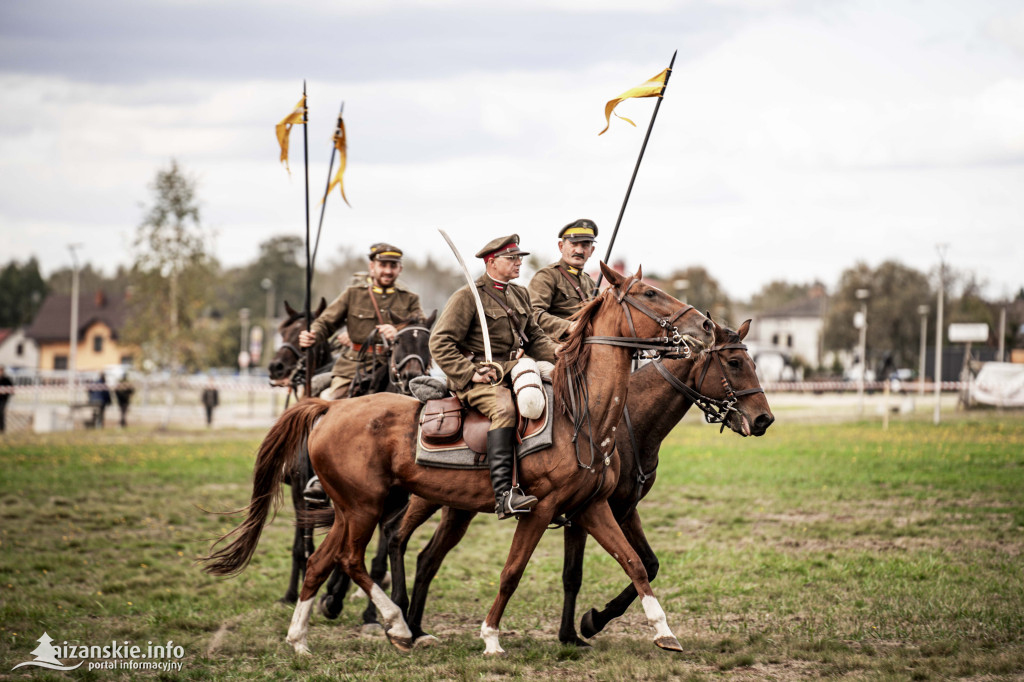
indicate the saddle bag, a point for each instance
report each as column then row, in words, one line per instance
column 441, row 420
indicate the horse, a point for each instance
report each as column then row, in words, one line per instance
column 722, row 383
column 362, row 448
column 410, row 357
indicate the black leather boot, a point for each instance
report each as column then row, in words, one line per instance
column 501, row 452
column 314, row 494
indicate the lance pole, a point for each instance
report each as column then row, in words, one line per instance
column 629, row 190
column 309, row 263
column 330, row 167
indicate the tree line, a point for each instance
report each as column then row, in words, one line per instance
column 184, row 306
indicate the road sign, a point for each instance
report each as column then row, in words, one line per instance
column 968, row 332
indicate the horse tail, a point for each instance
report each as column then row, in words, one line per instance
column 281, row 445
column 314, row 518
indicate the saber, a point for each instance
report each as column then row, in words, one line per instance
column 488, row 357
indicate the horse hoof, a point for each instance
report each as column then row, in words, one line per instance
column 668, row 643
column 371, row 630
column 424, row 641
column 301, row 649
column 324, row 607
column 403, row 644
column 576, row 642
column 587, row 627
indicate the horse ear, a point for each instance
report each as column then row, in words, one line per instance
column 707, row 314
column 291, row 311
column 744, row 328
column 321, row 308
column 639, row 272
column 614, row 278
column 429, row 322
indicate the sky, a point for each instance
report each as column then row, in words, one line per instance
column 795, row 138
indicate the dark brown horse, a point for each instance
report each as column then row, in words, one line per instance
column 721, row 382
column 363, row 448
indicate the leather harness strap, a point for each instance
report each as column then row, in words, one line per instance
column 518, row 326
column 583, row 296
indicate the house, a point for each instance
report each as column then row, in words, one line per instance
column 794, row 331
column 17, row 351
column 101, row 318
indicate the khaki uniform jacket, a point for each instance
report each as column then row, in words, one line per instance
column 458, row 329
column 355, row 310
column 555, row 298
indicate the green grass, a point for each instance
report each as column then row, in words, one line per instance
column 837, row 550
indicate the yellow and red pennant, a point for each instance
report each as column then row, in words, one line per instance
column 341, row 144
column 284, row 128
column 651, row 88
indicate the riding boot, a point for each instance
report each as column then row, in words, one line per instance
column 314, row 493
column 501, row 452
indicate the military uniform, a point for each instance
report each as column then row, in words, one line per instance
column 560, row 289
column 556, row 292
column 457, row 343
column 355, row 309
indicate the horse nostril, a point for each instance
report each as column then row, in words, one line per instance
column 763, row 421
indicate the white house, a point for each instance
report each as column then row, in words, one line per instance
column 17, row 351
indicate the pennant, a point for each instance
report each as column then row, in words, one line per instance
column 651, row 88
column 341, row 144
column 284, row 128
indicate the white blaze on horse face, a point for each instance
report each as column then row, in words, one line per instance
column 656, row 616
column 490, row 637
column 390, row 613
column 300, row 626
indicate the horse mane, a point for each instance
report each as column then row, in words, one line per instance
column 574, row 353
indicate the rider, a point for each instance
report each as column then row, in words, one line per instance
column 560, row 289
column 457, row 346
column 368, row 306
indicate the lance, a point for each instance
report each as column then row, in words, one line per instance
column 636, row 168
column 323, row 204
column 309, row 262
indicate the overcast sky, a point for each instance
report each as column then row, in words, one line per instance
column 795, row 139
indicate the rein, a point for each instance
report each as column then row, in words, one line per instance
column 395, row 368
column 715, row 411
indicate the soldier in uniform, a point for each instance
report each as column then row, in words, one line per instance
column 560, row 289
column 456, row 345
column 373, row 304
column 367, row 306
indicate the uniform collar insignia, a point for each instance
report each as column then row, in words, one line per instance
column 379, row 290
column 572, row 270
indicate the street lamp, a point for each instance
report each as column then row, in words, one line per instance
column 922, row 310
column 267, row 285
column 861, row 321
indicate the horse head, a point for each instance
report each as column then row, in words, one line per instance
column 286, row 359
column 661, row 314
column 726, row 375
column 410, row 352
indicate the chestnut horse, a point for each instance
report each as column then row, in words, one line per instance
column 363, row 447
column 721, row 382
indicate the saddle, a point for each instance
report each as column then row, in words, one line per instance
column 454, row 435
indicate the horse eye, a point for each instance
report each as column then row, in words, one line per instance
column 650, row 293
column 735, row 364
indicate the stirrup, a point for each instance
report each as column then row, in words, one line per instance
column 523, row 503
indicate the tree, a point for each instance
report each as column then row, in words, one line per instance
column 896, row 291
column 171, row 275
column 22, row 291
column 778, row 293
column 696, row 286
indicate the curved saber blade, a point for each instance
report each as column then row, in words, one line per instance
column 476, row 298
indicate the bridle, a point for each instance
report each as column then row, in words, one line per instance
column 673, row 341
column 715, row 411
column 395, row 367
column 576, row 383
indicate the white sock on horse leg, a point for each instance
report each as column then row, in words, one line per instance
column 300, row 626
column 656, row 616
column 390, row 613
column 490, row 637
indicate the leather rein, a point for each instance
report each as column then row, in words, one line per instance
column 395, row 368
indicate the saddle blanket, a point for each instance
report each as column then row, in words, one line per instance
column 461, row 457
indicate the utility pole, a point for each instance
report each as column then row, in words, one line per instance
column 862, row 296
column 922, row 310
column 937, row 417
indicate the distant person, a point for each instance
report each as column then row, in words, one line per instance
column 99, row 398
column 6, row 391
column 211, row 399
column 123, row 392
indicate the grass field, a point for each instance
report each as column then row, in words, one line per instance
column 833, row 550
